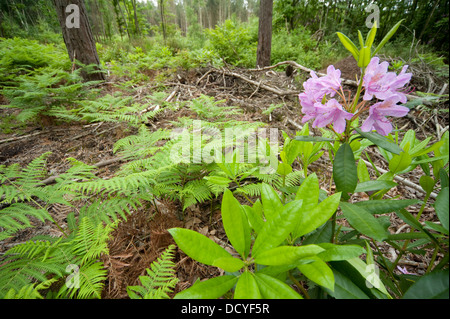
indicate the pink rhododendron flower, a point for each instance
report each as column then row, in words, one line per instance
column 404, row 270
column 331, row 112
column 383, row 84
column 316, row 88
column 377, row 115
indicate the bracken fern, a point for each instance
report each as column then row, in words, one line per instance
column 160, row 279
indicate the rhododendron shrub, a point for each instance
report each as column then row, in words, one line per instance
column 324, row 102
column 319, row 103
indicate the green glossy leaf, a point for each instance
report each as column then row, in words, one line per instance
column 340, row 252
column 443, row 177
column 349, row 45
column 319, row 215
column 322, row 234
column 364, row 57
column 286, row 255
column 344, row 288
column 229, row 264
column 198, row 246
column 271, row 201
column 345, row 174
column 380, row 141
column 254, row 217
column 218, row 180
column 408, row 218
column 272, row 288
column 368, row 272
column 431, row 286
column 361, row 40
column 319, row 272
column 387, row 37
column 442, row 207
column 246, row 287
column 385, row 206
column 284, row 169
column 374, row 186
column 363, row 172
column 399, row 162
column 371, row 36
column 209, row 289
column 235, row 224
column 276, row 230
column 412, row 221
column 363, row 221
column 309, row 193
column 313, row 139
column 427, row 183
column 407, row 236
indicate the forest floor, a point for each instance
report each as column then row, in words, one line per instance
column 139, row 240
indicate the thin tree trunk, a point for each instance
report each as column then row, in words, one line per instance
column 428, row 19
column 264, row 34
column 79, row 40
column 163, row 22
column 124, row 19
column 136, row 22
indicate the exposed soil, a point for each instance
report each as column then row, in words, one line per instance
column 139, row 240
column 349, row 68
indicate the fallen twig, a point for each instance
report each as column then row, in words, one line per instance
column 402, row 180
column 155, row 107
column 259, row 84
column 104, row 163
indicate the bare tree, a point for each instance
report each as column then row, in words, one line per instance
column 78, row 35
column 264, row 34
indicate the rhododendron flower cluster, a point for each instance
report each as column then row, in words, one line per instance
column 319, row 103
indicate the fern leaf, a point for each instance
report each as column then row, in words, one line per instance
column 87, row 282
column 29, row 291
column 17, row 216
column 91, row 240
column 160, row 279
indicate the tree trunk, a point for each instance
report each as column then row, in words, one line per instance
column 428, row 19
column 163, row 20
column 264, row 34
column 78, row 38
column 136, row 21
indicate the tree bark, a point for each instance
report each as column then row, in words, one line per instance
column 136, row 21
column 264, row 34
column 163, row 20
column 79, row 40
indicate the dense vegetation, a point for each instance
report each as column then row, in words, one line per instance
column 289, row 230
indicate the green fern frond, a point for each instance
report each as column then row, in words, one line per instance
column 91, row 240
column 32, row 262
column 250, row 189
column 77, row 171
column 29, row 291
column 141, row 145
column 160, row 279
column 294, row 178
column 110, row 210
column 207, row 108
column 17, row 217
column 117, row 108
column 119, row 184
column 196, row 191
column 86, row 282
